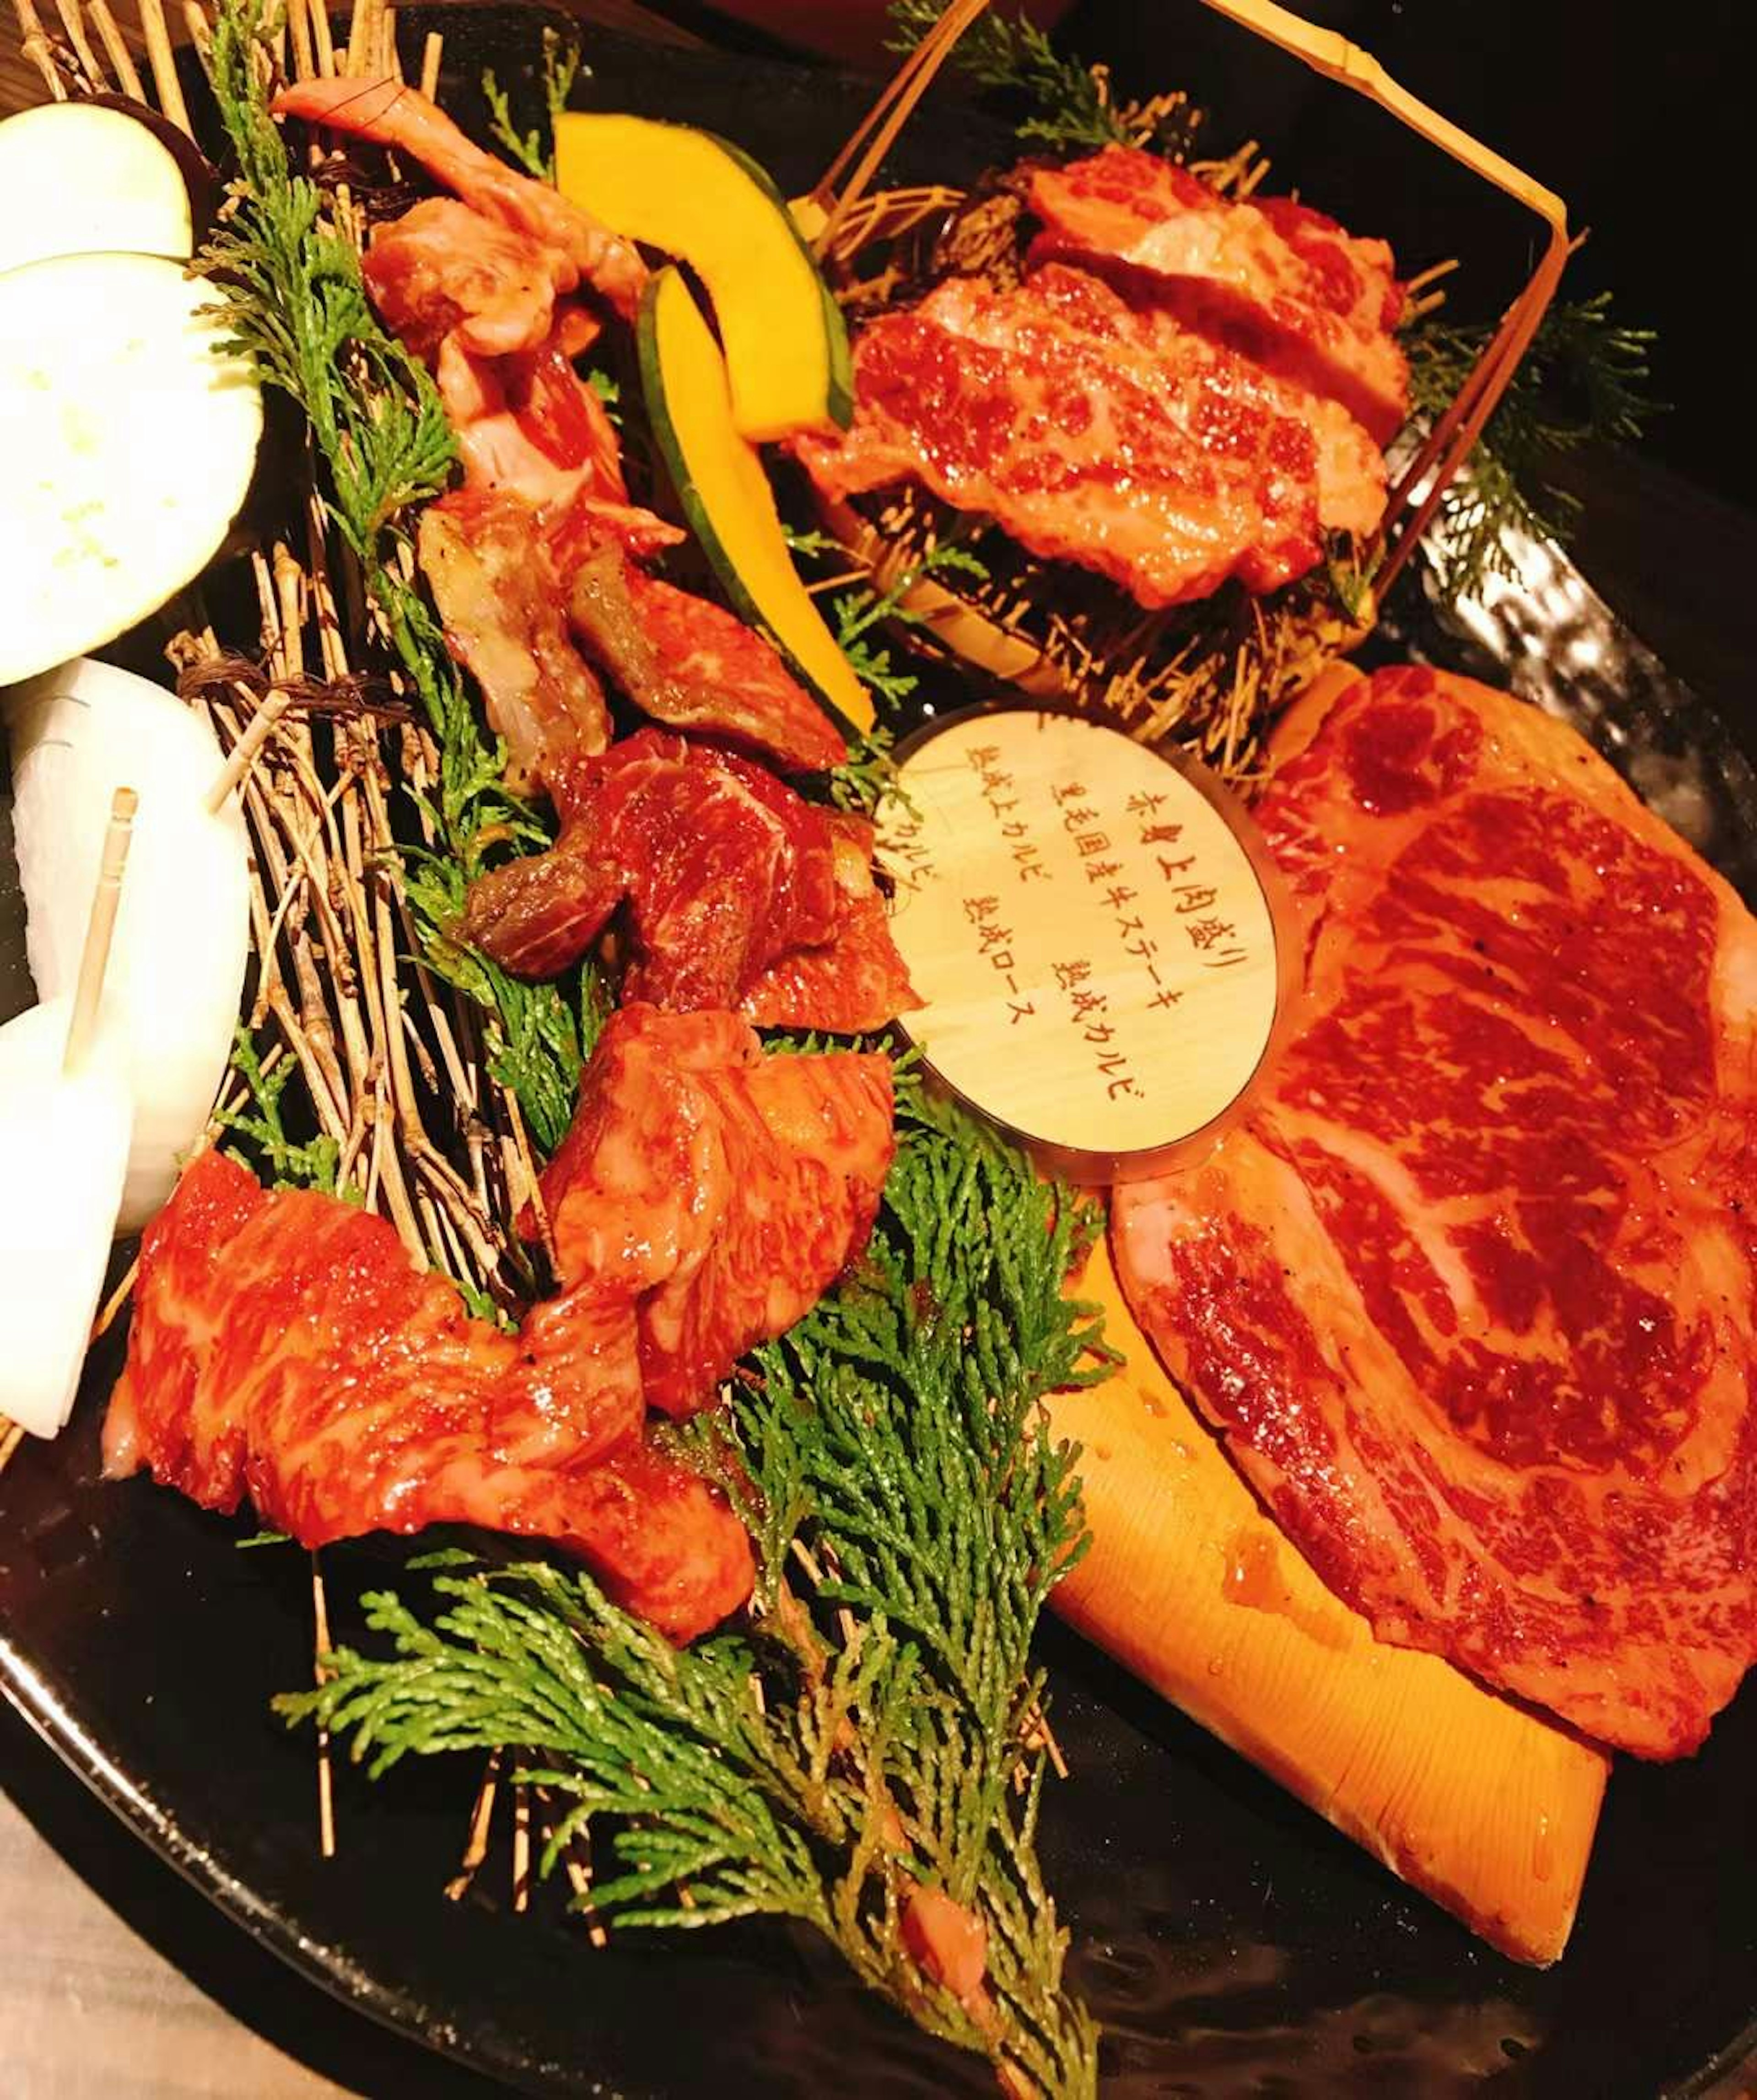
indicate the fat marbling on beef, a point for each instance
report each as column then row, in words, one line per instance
column 1470, row 1293
column 1276, row 279
column 1103, row 435
column 283, row 1348
column 740, row 893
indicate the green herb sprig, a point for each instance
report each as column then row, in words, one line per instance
column 879, row 1726
column 1009, row 54
column 297, row 308
column 534, row 150
column 286, row 1163
column 1584, row 381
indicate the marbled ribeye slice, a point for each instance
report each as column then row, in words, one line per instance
column 1470, row 1294
column 1097, row 433
column 1279, row 281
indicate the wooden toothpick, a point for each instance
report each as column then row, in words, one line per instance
column 100, row 928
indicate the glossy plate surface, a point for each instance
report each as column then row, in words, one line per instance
column 1230, row 1942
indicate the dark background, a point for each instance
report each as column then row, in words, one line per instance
column 1640, row 119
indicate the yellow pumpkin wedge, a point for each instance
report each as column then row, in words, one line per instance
column 1480, row 1803
column 698, row 197
column 725, row 492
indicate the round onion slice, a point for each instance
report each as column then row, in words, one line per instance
column 96, row 179
column 65, row 1142
column 177, row 964
column 129, row 439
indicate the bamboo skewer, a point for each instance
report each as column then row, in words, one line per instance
column 68, row 11
column 326, row 1806
column 116, row 48
column 163, row 63
column 244, row 752
column 476, row 1843
column 875, row 136
column 39, row 49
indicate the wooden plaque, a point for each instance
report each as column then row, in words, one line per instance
column 1096, row 931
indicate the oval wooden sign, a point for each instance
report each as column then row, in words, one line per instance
column 1096, row 931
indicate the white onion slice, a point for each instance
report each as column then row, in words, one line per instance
column 80, row 178
column 177, row 964
column 65, row 1142
column 129, row 442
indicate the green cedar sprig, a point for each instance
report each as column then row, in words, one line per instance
column 877, row 1726
column 297, row 307
column 533, row 150
column 1584, row 381
column 866, row 779
column 1010, row 53
column 287, row 1163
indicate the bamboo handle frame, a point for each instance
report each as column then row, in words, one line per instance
column 1416, row 494
column 1419, row 487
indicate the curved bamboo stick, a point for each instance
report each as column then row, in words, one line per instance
column 1424, row 481
column 877, row 133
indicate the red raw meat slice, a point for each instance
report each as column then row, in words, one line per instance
column 691, row 664
column 1096, row 434
column 855, row 982
column 738, row 889
column 753, row 1181
column 444, row 270
column 1276, row 279
column 1470, row 1294
column 528, row 425
column 282, row 1348
column 488, row 569
column 394, row 115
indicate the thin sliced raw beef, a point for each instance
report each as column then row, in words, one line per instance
column 528, row 425
column 693, row 665
column 1096, row 434
column 392, row 114
column 444, row 270
column 495, row 588
column 282, row 1348
column 758, row 1176
column 740, row 893
column 856, row 982
column 1470, row 1293
column 1278, row 280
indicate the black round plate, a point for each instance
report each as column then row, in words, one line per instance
column 1231, row 1942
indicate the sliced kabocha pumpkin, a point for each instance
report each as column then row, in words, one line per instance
column 697, row 197
column 725, row 494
